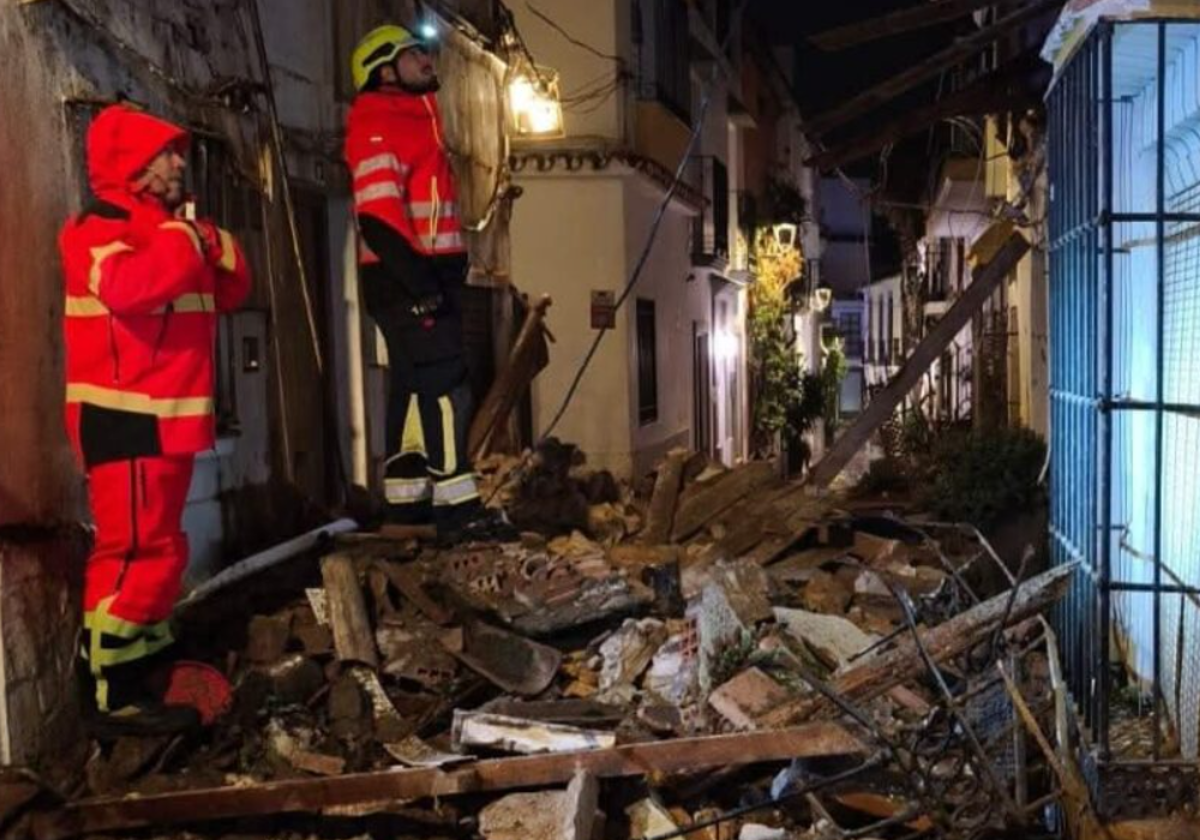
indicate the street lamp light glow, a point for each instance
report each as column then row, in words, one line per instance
column 536, row 109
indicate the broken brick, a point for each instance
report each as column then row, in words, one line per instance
column 746, row 697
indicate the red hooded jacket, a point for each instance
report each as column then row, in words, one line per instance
column 402, row 175
column 143, row 290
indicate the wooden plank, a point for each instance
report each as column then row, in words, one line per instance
column 664, row 499
column 882, row 406
column 902, row 663
column 108, row 814
column 529, row 355
column 920, row 16
column 352, row 636
column 408, row 532
column 931, row 68
column 792, row 523
column 747, row 523
column 1003, row 90
column 710, row 499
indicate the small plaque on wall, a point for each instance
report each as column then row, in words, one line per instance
column 604, row 310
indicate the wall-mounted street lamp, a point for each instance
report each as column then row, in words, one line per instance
column 822, row 297
column 535, row 105
column 785, row 235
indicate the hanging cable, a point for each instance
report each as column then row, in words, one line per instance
column 655, row 225
column 536, row 12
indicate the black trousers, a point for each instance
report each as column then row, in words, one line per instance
column 428, row 474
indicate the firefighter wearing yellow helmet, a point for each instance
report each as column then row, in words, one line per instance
column 379, row 48
column 412, row 258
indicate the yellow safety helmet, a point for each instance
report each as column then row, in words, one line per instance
column 378, row 47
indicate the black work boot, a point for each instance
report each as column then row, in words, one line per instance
column 133, row 710
column 144, row 719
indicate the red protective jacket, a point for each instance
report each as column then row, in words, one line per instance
column 402, row 175
column 143, row 290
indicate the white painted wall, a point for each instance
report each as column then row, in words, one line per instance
column 678, row 303
column 568, row 238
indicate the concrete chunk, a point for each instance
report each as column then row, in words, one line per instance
column 833, row 639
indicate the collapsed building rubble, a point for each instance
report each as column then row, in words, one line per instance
column 736, row 659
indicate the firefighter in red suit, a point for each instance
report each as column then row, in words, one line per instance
column 412, row 268
column 144, row 286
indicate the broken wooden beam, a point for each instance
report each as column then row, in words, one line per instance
column 1003, row 90
column 391, row 531
column 704, row 501
column 904, row 81
column 878, row 674
column 985, row 280
column 665, row 497
column 921, row 16
column 529, row 355
column 108, row 814
column 352, row 636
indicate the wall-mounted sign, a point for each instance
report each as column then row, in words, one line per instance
column 604, row 310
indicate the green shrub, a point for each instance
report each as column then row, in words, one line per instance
column 980, row 477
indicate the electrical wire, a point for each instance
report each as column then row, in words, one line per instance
column 534, row 10
column 655, row 226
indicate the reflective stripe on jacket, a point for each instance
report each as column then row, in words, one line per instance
column 142, row 294
column 400, row 171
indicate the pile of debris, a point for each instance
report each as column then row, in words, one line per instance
column 722, row 657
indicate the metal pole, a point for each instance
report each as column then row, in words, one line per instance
column 1160, row 231
column 1106, row 395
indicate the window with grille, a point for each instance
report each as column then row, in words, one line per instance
column 849, row 328
column 666, row 54
column 647, row 362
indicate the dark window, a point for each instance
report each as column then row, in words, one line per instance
column 647, row 363
column 870, row 331
column 722, row 19
column 666, row 70
column 701, row 391
column 849, row 327
column 710, row 231
column 891, row 332
column 882, row 334
column 720, row 208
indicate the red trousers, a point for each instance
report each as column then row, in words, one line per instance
column 141, row 551
column 133, row 576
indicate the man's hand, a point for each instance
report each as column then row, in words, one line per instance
column 211, row 238
column 427, row 306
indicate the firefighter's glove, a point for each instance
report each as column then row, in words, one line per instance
column 428, row 306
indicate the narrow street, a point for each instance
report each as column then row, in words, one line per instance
column 545, row 420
